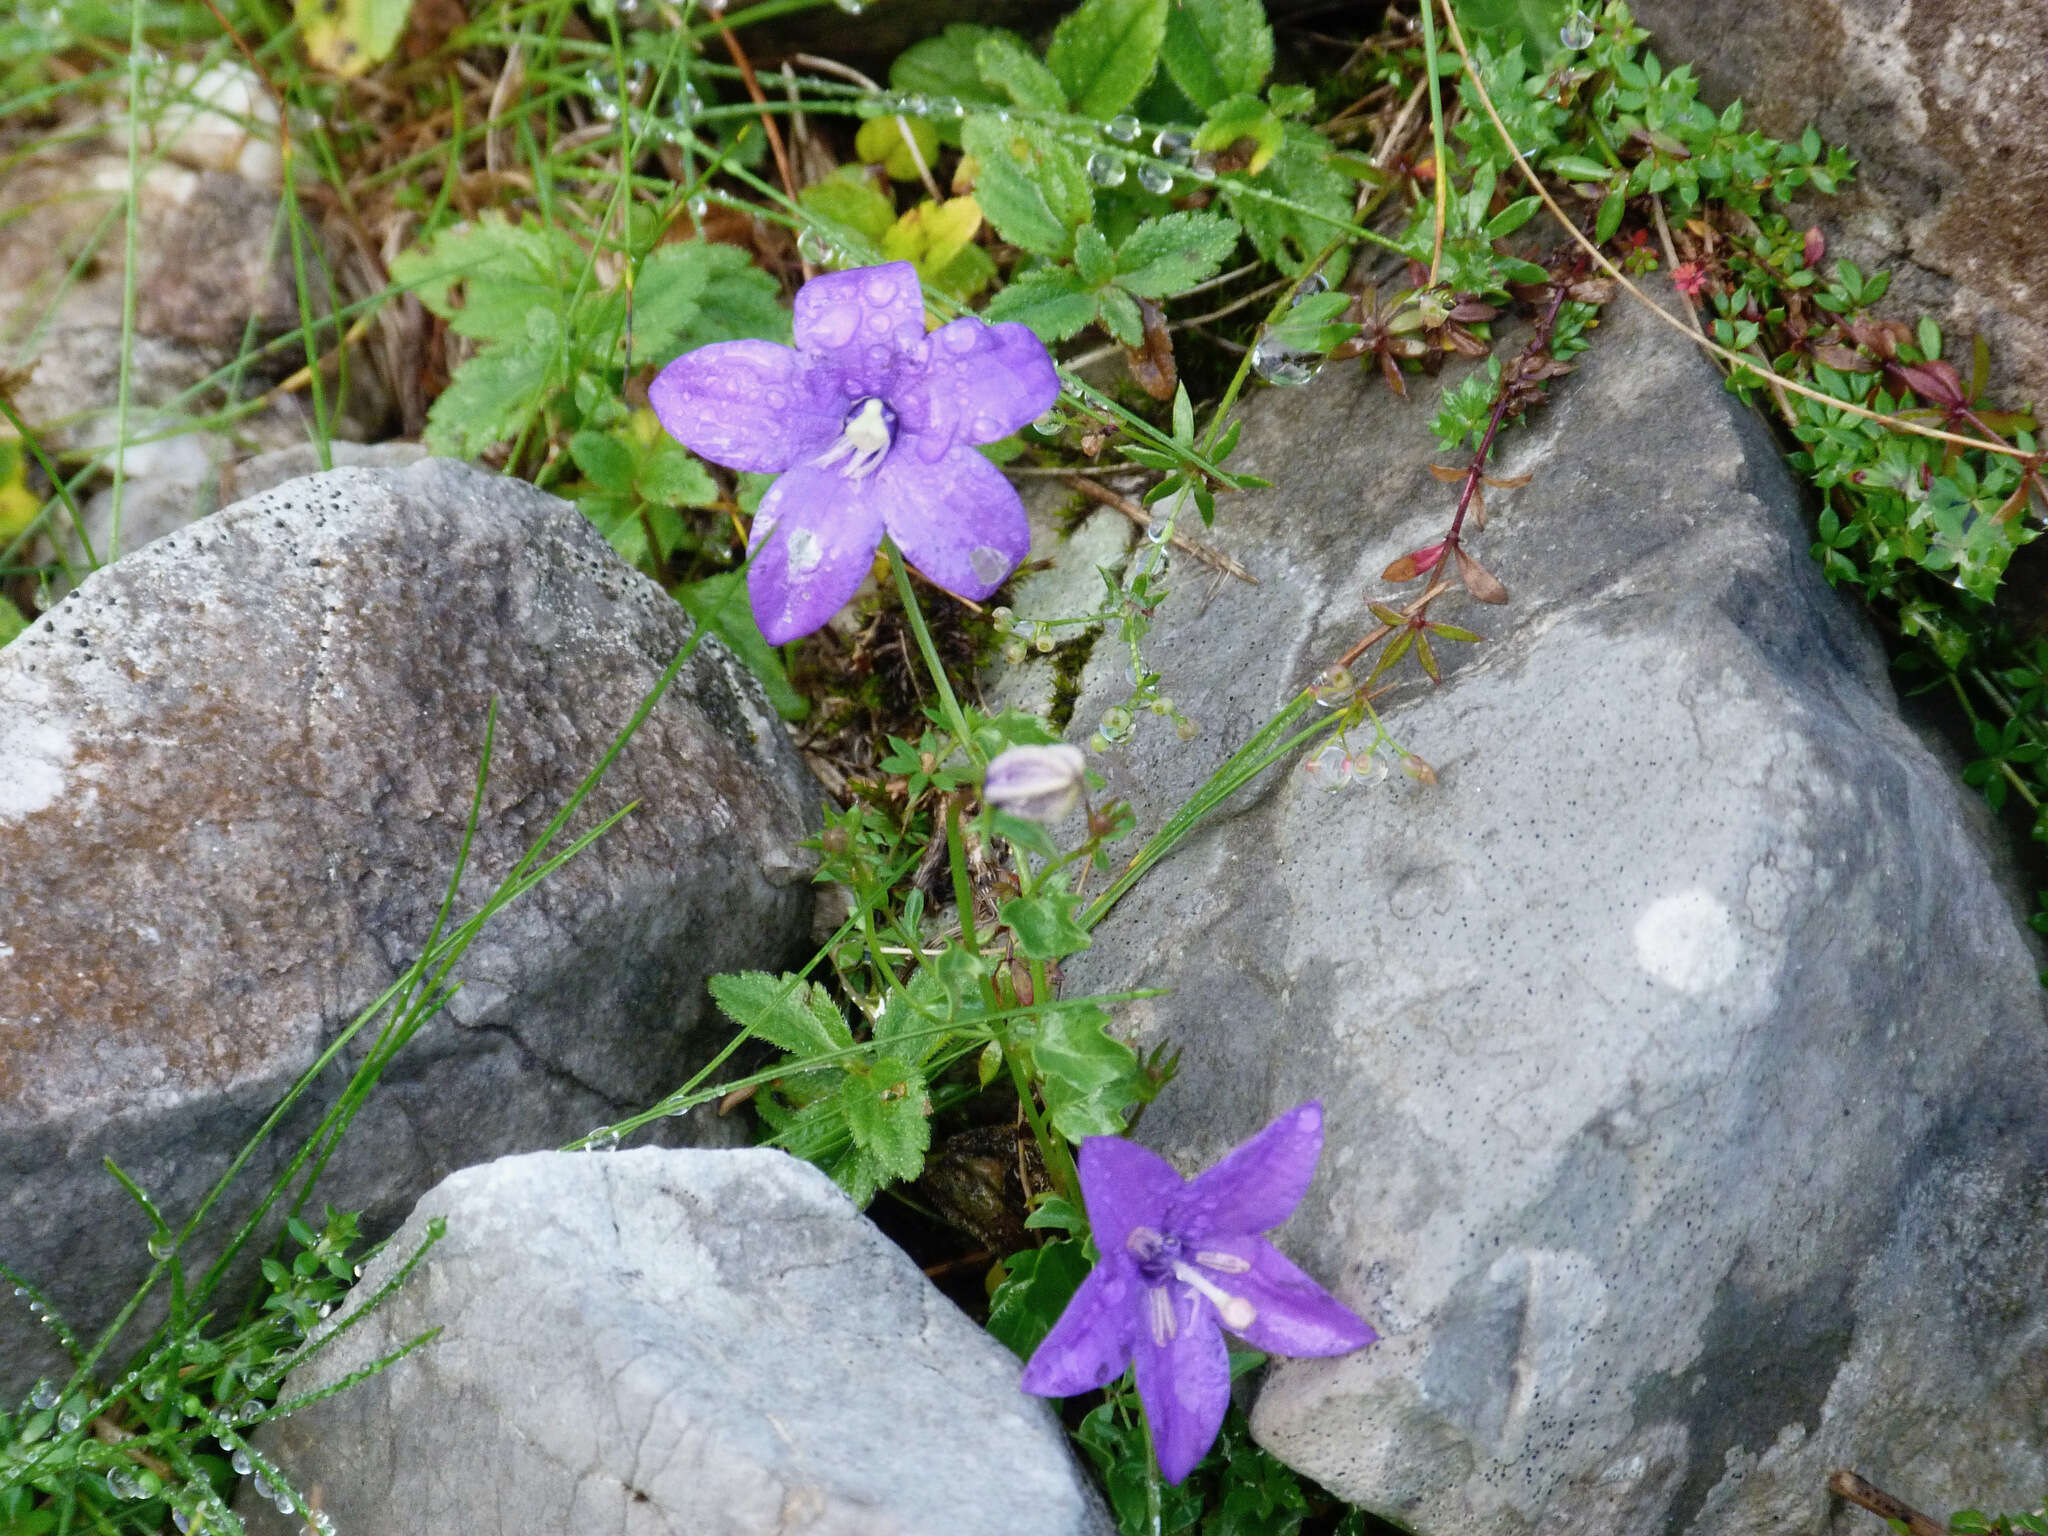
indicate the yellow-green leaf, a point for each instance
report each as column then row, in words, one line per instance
column 348, row 36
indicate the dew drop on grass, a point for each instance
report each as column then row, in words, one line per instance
column 1577, row 31
column 1105, row 170
column 240, row 1461
column 161, row 1245
column 1314, row 283
column 262, row 1486
column 1277, row 364
column 815, row 249
column 1123, row 128
column 181, row 1520
column 1156, row 179
column 851, row 7
column 944, row 109
column 43, row 1395
column 152, row 1391
column 1172, row 144
column 67, row 1421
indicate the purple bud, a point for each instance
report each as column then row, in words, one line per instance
column 1036, row 783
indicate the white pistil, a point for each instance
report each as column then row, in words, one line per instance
column 862, row 443
column 1237, row 1313
column 1163, row 1325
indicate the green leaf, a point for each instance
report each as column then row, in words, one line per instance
column 1214, row 49
column 1301, row 173
column 945, row 65
column 1040, row 1283
column 849, row 198
column 1105, row 51
column 1092, row 258
column 790, row 1014
column 606, row 460
column 1578, row 168
column 1031, row 187
column 1044, row 925
column 1511, row 218
column 889, row 1113
column 720, row 605
column 1053, row 301
column 1121, row 316
column 1011, row 70
column 1609, row 218
column 12, row 620
column 694, row 292
column 348, row 36
column 487, row 278
column 673, row 477
column 490, row 399
column 1168, row 255
column 1087, row 1077
column 1243, row 117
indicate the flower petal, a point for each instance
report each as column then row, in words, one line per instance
column 958, row 520
column 1295, row 1316
column 816, row 532
column 982, row 382
column 1124, row 1185
column 1091, row 1343
column 861, row 324
column 1259, row 1184
column 1184, row 1384
column 747, row 405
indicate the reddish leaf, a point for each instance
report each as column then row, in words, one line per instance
column 1508, row 483
column 1418, row 769
column 1447, row 476
column 1935, row 382
column 1151, row 362
column 1814, row 247
column 1414, row 563
column 1842, row 359
column 1479, row 581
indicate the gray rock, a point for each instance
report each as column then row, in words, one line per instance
column 1683, row 1057
column 267, row 471
column 234, row 773
column 1945, row 105
column 706, row 1342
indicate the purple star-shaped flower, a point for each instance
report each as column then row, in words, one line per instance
column 1181, row 1261
column 871, row 424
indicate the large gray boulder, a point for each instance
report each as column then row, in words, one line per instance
column 1683, row 1055
column 234, row 773
column 714, row 1343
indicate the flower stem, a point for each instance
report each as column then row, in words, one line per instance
column 915, row 614
column 1436, row 133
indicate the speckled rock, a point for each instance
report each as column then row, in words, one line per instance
column 1945, row 105
column 234, row 773
column 1684, row 1060
column 711, row 1343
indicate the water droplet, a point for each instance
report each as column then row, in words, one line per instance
column 359, row 1271
column 1047, row 425
column 1277, row 364
column 915, row 105
column 251, row 1412
column 1172, row 144
column 44, row 1395
column 851, row 7
column 1156, row 179
column 152, row 1391
column 1333, row 686
column 262, row 1486
column 1123, row 128
column 815, row 249
column 990, row 565
column 1314, row 283
column 1159, row 529
column 326, row 1307
column 1329, row 768
column 181, row 1520
column 944, row 108
column 1577, row 31
column 240, row 1461
column 162, row 1245
column 283, row 1501
column 1116, row 725
column 21, row 1290
column 1105, row 169
column 67, row 1421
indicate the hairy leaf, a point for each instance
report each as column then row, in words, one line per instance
column 1013, row 71
column 1030, row 186
column 1104, row 52
column 1215, row 49
column 792, row 1015
column 1053, row 301
column 1166, row 255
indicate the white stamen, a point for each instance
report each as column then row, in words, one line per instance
column 862, row 444
column 1163, row 1325
column 1237, row 1313
column 1223, row 1263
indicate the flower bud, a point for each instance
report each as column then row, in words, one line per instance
column 1036, row 783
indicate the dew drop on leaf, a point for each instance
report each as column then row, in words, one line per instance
column 1105, row 170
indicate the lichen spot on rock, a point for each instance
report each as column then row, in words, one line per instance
column 1688, row 942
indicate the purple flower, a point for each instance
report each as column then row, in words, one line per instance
column 1036, row 783
column 1181, row 1261
column 871, row 424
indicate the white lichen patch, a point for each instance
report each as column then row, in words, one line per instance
column 33, row 759
column 1688, row 942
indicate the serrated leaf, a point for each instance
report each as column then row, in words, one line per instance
column 1301, row 173
column 672, row 476
column 1092, row 256
column 1215, row 49
column 1053, row 301
column 1044, row 925
column 490, row 399
column 1030, row 186
column 1104, row 51
column 486, row 279
column 791, row 1015
column 349, row 36
column 1242, row 120
column 888, row 1113
column 1168, row 255
column 719, row 603
column 604, row 459
column 695, row 292
column 1121, row 316
column 945, row 65
column 1011, row 70
column 1087, row 1075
